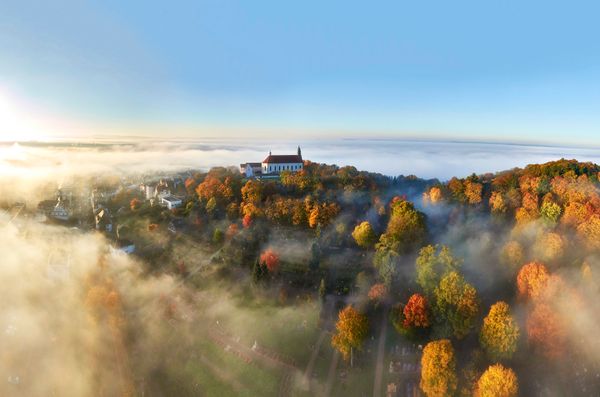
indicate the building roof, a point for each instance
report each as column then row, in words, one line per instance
column 250, row 164
column 280, row 159
column 171, row 198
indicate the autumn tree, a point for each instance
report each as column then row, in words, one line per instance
column 497, row 381
column 457, row 305
column 416, row 312
column 512, row 255
column 499, row 333
column 531, row 280
column 550, row 212
column 351, row 330
column 549, row 246
column 406, row 228
column 438, row 369
column 473, row 191
column 135, row 204
column 546, row 331
column 433, row 196
column 432, row 264
column 377, row 292
column 498, row 203
column 270, row 259
column 364, row 235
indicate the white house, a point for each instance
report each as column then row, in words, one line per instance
column 251, row 169
column 275, row 164
column 170, row 201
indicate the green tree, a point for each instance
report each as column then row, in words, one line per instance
column 550, row 212
column 499, row 333
column 364, row 235
column 433, row 263
column 386, row 262
column 438, row 369
column 322, row 289
column 457, row 305
column 406, row 228
column 218, row 236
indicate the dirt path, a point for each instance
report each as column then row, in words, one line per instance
column 380, row 356
column 313, row 358
column 331, row 374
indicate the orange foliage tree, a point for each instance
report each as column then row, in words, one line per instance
column 546, row 331
column 270, row 259
column 377, row 292
column 416, row 312
column 438, row 369
column 531, row 280
column 351, row 331
column 497, row 381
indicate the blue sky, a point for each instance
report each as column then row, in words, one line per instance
column 490, row 70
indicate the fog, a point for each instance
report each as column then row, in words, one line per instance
column 426, row 159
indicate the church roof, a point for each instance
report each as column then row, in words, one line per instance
column 280, row 159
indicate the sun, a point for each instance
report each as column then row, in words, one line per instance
column 17, row 122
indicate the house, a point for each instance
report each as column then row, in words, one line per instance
column 251, row 169
column 170, row 201
column 124, row 245
column 274, row 164
column 103, row 219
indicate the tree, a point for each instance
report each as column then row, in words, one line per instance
column 499, row 333
column 546, row 331
column 473, row 191
column 270, row 259
column 432, row 264
column 531, row 280
column 512, row 255
column 218, row 236
column 497, row 203
column 550, row 212
column 457, row 305
column 386, row 263
column 259, row 271
column 406, row 228
column 351, row 330
column 416, row 312
column 322, row 289
column 364, row 235
column 438, row 369
column 135, row 204
column 497, row 381
column 377, row 292
column 549, row 246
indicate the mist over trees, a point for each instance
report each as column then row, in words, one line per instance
column 490, row 281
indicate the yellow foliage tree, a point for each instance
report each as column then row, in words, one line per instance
column 500, row 332
column 438, row 369
column 351, row 330
column 497, row 381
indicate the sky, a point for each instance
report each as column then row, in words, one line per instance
column 472, row 70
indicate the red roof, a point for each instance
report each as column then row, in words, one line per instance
column 280, row 159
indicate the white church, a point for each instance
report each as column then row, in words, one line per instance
column 273, row 165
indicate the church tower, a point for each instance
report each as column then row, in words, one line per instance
column 299, row 152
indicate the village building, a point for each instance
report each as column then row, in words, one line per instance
column 170, row 201
column 274, row 164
